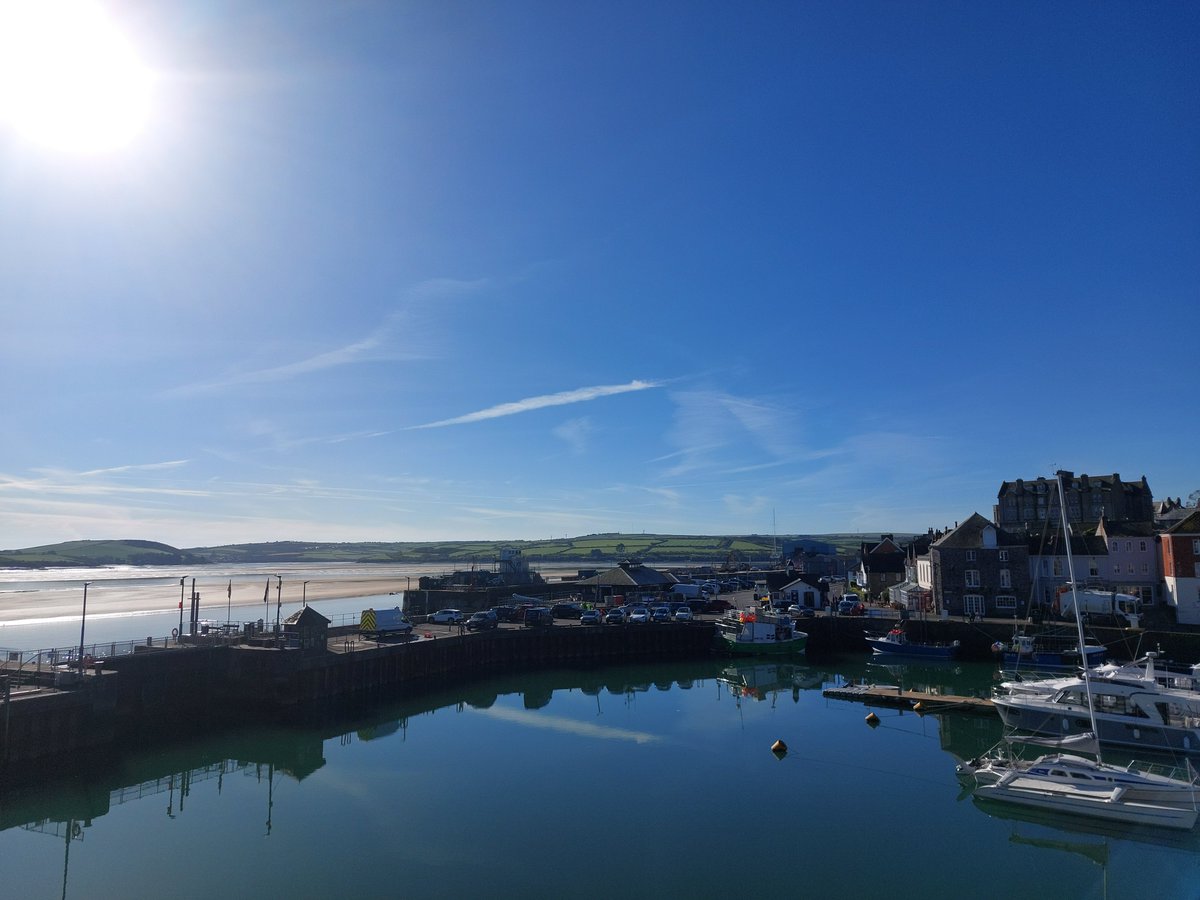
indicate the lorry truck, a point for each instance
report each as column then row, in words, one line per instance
column 384, row 623
column 1092, row 602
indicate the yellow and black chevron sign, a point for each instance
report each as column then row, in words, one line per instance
column 368, row 620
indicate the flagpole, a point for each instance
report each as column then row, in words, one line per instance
column 229, row 603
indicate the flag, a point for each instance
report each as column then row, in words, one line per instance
column 229, row 593
column 267, row 592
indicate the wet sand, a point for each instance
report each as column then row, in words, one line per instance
column 37, row 605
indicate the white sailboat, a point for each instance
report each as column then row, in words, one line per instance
column 1070, row 783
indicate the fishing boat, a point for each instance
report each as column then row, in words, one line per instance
column 896, row 642
column 758, row 633
column 1078, row 785
column 1048, row 652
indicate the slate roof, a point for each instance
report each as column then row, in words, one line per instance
column 1188, row 525
column 307, row 616
column 632, row 575
column 969, row 535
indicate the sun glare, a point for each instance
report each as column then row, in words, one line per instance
column 69, row 79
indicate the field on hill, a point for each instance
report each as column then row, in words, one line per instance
column 593, row 549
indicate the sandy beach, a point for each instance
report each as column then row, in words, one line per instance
column 102, row 599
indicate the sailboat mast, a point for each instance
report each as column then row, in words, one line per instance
column 1087, row 680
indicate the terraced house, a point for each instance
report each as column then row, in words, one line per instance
column 1181, row 568
column 979, row 569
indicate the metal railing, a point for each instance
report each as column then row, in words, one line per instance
column 17, row 661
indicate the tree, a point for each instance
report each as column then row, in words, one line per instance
column 1194, row 498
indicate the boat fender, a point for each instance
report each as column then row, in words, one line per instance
column 996, row 647
column 956, row 644
column 919, row 708
column 872, row 719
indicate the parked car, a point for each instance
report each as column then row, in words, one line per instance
column 566, row 610
column 537, row 615
column 804, row 612
column 850, row 606
column 505, row 613
column 447, row 617
column 718, row 606
column 660, row 614
column 683, row 614
column 482, row 621
column 639, row 615
column 615, row 616
column 589, row 617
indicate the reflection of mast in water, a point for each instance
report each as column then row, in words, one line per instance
column 1096, row 853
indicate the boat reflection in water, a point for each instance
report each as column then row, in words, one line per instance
column 761, row 680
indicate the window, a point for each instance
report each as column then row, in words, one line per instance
column 1145, row 568
column 970, row 556
column 1006, row 601
column 1003, row 556
column 1115, row 546
column 1131, row 568
column 1142, row 546
column 972, row 605
column 1058, row 566
column 1005, row 579
column 972, row 578
column 1196, row 546
column 1116, row 568
column 1129, row 546
column 1093, row 569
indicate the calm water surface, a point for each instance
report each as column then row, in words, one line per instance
column 634, row 781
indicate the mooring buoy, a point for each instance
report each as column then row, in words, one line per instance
column 872, row 719
column 779, row 748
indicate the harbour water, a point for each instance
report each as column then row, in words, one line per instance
column 648, row 781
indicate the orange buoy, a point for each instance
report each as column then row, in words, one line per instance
column 872, row 719
column 919, row 708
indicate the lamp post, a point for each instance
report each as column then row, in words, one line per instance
column 304, row 594
column 278, row 600
column 82, row 623
column 180, row 632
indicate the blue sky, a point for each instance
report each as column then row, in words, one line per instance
column 418, row 271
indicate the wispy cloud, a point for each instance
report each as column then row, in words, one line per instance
column 576, row 433
column 142, row 467
column 383, row 343
column 563, row 398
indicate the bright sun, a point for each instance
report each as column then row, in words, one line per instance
column 69, row 79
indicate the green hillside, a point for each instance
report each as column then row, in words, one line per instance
column 97, row 553
column 592, row 549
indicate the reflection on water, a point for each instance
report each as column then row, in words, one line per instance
column 457, row 789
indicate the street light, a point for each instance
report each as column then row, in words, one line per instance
column 82, row 623
column 304, row 594
column 278, row 601
column 180, row 631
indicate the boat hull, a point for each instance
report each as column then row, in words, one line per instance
column 1123, row 732
column 1052, row 661
column 1096, row 804
column 793, row 647
column 924, row 651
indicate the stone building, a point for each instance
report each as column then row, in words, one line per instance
column 979, row 569
column 1028, row 505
